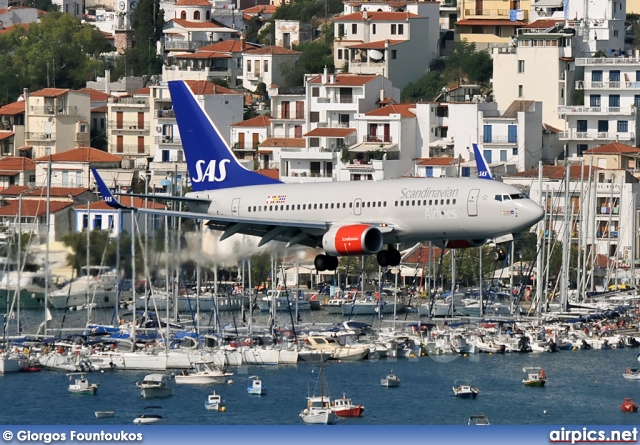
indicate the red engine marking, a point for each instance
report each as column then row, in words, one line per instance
column 349, row 239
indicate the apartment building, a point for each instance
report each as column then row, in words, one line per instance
column 267, row 65
column 129, row 127
column 246, row 137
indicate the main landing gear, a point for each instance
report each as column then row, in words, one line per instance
column 325, row 262
column 390, row 257
column 499, row 254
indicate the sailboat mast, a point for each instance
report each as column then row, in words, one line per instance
column 88, row 260
column 46, row 241
column 133, row 279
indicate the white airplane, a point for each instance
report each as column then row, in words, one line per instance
column 343, row 218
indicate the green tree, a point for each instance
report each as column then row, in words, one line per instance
column 315, row 56
column 308, row 10
column 426, row 88
column 465, row 62
column 57, row 51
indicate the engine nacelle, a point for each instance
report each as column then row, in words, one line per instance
column 460, row 243
column 357, row 239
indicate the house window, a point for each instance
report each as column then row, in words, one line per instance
column 141, row 144
column 503, row 155
column 83, row 128
column 614, row 100
column 314, row 142
column 521, row 66
column 110, row 221
column 487, row 156
column 394, row 29
column 85, row 221
column 400, row 29
column 623, row 126
column 119, row 144
column 514, row 151
column 520, row 91
column 486, row 134
column 596, row 76
column 315, row 92
column 614, row 76
column 208, row 15
column 581, row 126
column 97, row 222
column 594, row 100
column 354, row 28
column 603, row 126
column 582, row 148
column 512, row 137
column 266, row 66
column 393, row 53
column 196, row 15
column 638, row 76
column 183, row 15
column 636, row 100
column 314, row 116
column 248, row 66
column 165, row 155
column 340, row 54
column 428, row 172
column 373, row 28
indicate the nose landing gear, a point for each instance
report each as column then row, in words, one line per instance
column 499, row 254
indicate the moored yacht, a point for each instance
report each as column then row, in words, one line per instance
column 98, row 285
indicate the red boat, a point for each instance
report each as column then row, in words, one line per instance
column 629, row 406
column 345, row 408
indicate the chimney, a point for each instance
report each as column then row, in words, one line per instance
column 381, row 95
column 242, row 42
column 324, row 75
column 364, row 14
column 107, row 81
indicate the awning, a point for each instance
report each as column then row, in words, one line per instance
column 548, row 4
column 365, row 147
column 165, row 182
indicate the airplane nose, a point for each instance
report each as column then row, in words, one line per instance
column 535, row 212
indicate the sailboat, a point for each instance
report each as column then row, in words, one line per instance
column 318, row 410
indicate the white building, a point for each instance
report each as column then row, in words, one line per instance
column 397, row 44
column 129, row 127
column 609, row 113
column 267, row 65
column 246, row 137
column 292, row 32
column 72, row 7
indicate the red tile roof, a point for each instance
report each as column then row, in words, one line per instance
column 82, row 154
column 273, row 50
column 202, row 87
column 16, row 26
column 95, row 95
column 100, row 109
column 558, row 172
column 271, row 173
column 614, row 148
column 404, row 110
column 379, row 44
column 284, row 142
column 496, row 22
column 346, row 79
column 12, row 109
column 258, row 121
column 5, row 134
column 193, row 3
column 265, row 9
column 542, row 24
column 130, row 201
column 54, row 192
column 331, row 132
column 146, row 91
column 442, row 161
column 378, row 16
column 205, row 25
column 228, row 46
column 203, row 55
column 18, row 163
column 14, row 190
column 50, row 92
column 32, row 208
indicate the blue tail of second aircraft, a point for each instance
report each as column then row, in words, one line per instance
column 481, row 163
column 211, row 163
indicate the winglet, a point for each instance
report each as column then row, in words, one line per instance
column 211, row 163
column 107, row 196
column 481, row 163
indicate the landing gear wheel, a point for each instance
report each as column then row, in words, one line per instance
column 320, row 263
column 384, row 258
column 332, row 262
column 498, row 254
column 395, row 257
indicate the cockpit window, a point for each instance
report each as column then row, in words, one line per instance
column 505, row 198
column 498, row 197
column 517, row 196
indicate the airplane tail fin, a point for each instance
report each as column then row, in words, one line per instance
column 107, row 196
column 211, row 163
column 481, row 163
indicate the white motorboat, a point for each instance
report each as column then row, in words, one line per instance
column 318, row 410
column 283, row 300
column 372, row 307
column 155, row 386
column 632, row 374
column 104, row 414
column 214, row 402
column 478, row 419
column 80, row 384
column 151, row 415
column 12, row 362
column 331, row 347
column 203, row 373
column 255, row 386
column 98, row 285
column 390, row 381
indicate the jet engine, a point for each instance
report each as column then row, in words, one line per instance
column 460, row 243
column 357, row 239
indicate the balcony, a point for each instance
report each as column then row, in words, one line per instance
column 495, row 14
column 501, row 140
column 165, row 114
column 140, row 101
column 82, row 138
column 133, row 149
column 162, row 168
column 582, row 110
column 167, row 140
column 607, row 210
column 36, row 228
column 41, row 136
column 173, row 45
column 595, row 135
column 590, row 61
column 50, row 110
column 373, row 138
column 128, row 125
column 611, row 85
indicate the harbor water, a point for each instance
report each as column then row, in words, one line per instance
column 583, row 387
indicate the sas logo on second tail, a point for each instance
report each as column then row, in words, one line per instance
column 213, row 172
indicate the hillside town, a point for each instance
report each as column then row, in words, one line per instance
column 558, row 117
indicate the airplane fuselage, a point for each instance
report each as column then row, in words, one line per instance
column 417, row 209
